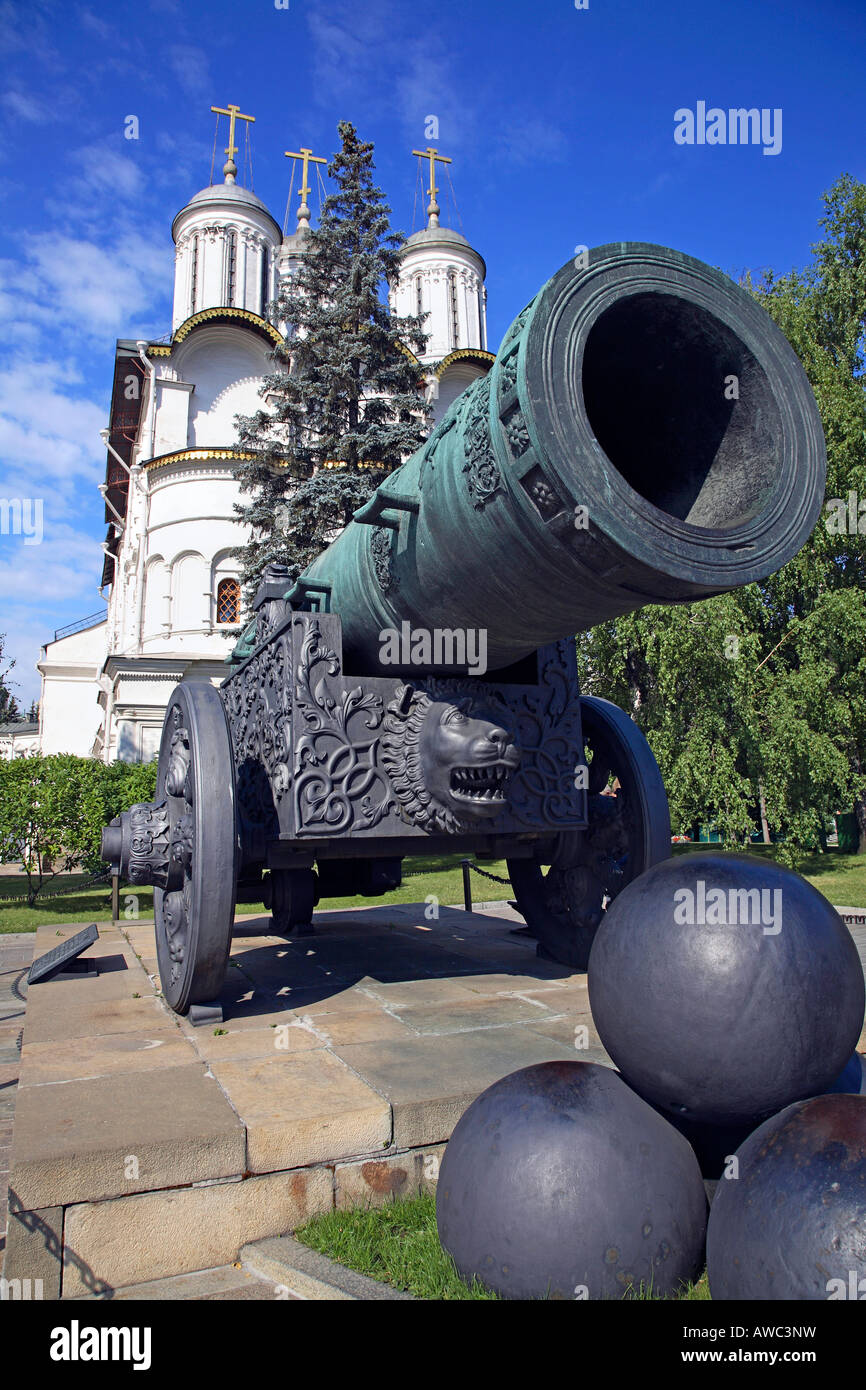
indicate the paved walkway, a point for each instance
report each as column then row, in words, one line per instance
column 16, row 953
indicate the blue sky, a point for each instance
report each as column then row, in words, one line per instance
column 560, row 123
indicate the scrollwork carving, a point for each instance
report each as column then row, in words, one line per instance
column 337, row 781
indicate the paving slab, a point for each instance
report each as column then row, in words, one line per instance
column 356, row 1025
column 86, row 1140
column 430, row 1085
column 484, row 1011
column 301, row 1108
column 44, row 1063
column 373, row 1182
column 227, row 1282
column 34, row 1246
column 226, row 1044
column 65, row 1016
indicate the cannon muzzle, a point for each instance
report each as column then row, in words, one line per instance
column 646, row 435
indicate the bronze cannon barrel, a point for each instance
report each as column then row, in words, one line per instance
column 645, row 435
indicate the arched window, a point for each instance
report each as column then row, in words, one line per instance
column 419, row 300
column 193, row 279
column 231, row 267
column 228, row 601
column 266, row 281
column 455, row 321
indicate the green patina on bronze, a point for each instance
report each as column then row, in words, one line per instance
column 645, row 435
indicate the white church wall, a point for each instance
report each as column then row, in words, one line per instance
column 452, row 382
column 190, row 606
column 157, row 600
column 226, row 367
column 171, row 430
column 69, row 712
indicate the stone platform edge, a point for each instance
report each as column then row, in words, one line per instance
column 296, row 1271
column 92, row 1249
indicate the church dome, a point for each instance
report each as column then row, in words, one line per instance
column 442, row 276
column 229, row 197
column 440, row 236
column 227, row 244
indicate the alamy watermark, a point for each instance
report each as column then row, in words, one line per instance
column 735, row 126
column 22, row 516
column 845, row 515
column 20, row 1290
column 432, row 647
column 855, row 1289
column 737, row 907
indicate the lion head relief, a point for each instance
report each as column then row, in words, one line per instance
column 447, row 767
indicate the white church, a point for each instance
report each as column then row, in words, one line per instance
column 169, row 578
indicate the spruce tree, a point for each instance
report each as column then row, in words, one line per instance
column 9, row 711
column 343, row 405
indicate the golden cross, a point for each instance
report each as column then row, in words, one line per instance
column 431, row 154
column 309, row 158
column 234, row 113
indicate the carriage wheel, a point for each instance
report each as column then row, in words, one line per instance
column 564, row 893
column 195, row 911
column 291, row 895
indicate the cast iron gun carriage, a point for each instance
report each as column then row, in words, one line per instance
column 645, row 435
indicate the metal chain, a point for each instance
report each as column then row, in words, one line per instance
column 424, row 873
column 58, row 892
column 494, row 878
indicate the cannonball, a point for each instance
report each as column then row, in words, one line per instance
column 560, row 1182
column 714, row 1144
column 852, row 1079
column 791, row 1222
column 725, row 987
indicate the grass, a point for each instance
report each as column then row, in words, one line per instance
column 398, row 1244
column 840, row 877
column 438, row 875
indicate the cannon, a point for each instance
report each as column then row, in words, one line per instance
column 646, row 435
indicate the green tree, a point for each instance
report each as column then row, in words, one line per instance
column 52, row 810
column 9, row 711
column 755, row 702
column 50, row 815
column 342, row 402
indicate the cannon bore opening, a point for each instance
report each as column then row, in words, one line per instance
column 683, row 410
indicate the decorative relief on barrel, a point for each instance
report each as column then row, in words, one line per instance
column 517, row 432
column 508, row 375
column 517, row 327
column 380, row 551
column 545, row 497
column 480, row 466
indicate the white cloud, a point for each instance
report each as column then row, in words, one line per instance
column 191, row 68
column 27, row 107
column 97, row 26
column 49, row 436
column 97, row 291
column 531, row 141
column 45, row 587
column 102, row 170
